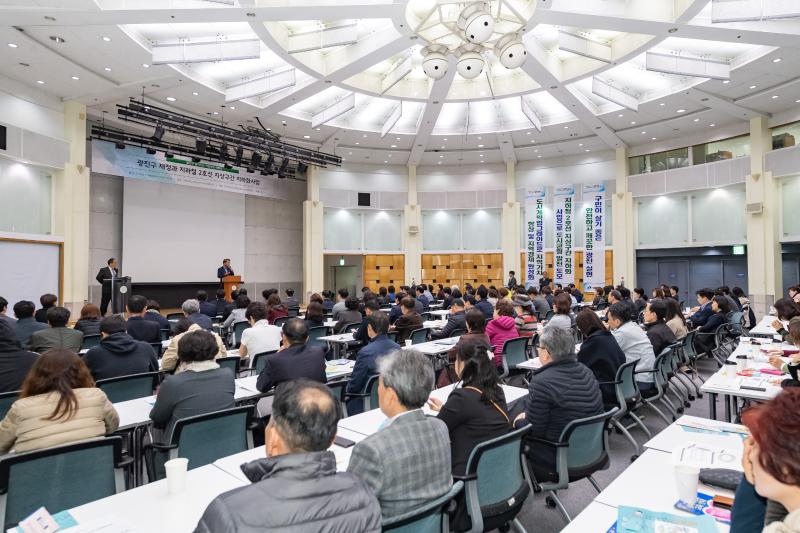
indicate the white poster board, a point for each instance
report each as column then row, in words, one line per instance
column 29, row 269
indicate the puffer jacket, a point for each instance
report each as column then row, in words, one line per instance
column 499, row 331
column 26, row 427
column 294, row 492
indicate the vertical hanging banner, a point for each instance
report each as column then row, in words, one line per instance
column 564, row 233
column 594, row 252
column 534, row 235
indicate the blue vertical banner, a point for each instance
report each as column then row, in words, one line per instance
column 564, row 234
column 534, row 235
column 594, row 252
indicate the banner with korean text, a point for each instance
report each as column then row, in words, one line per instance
column 534, row 235
column 594, row 252
column 564, row 234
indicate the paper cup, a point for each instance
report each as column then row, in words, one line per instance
column 745, row 340
column 176, row 474
column 741, row 363
column 686, row 480
column 409, row 342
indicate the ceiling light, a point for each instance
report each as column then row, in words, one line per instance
column 680, row 111
column 394, row 146
column 385, row 162
column 797, row 101
column 13, row 45
column 441, row 156
column 652, row 138
column 57, row 39
column 533, row 141
column 633, row 122
column 480, row 146
column 580, row 144
column 725, row 82
column 586, row 150
column 40, row 82
column 438, row 162
column 661, row 104
column 107, row 69
column 527, row 133
column 477, row 23
column 365, row 135
column 539, row 156
column 774, row 96
column 445, row 140
column 776, row 60
column 470, row 62
column 306, row 136
column 357, row 143
column 76, row 78
column 195, row 93
column 696, row 120
column 644, row 132
column 145, row 65
column 434, row 61
column 172, row 99
column 216, row 112
column 106, row 39
column 480, row 138
column 711, row 125
column 620, row 116
column 753, row 86
column 232, row 107
column 566, row 127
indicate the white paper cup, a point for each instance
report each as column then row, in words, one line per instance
column 741, row 363
column 409, row 342
column 745, row 340
column 176, row 474
column 686, row 480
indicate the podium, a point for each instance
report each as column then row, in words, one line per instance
column 229, row 283
column 120, row 290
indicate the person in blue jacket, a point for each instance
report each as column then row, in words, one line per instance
column 366, row 360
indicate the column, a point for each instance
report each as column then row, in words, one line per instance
column 623, row 224
column 764, row 269
column 412, row 236
column 511, row 225
column 313, row 235
column 71, row 209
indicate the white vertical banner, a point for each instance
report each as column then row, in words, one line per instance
column 594, row 252
column 534, row 235
column 564, row 234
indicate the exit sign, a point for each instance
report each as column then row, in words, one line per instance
column 738, row 250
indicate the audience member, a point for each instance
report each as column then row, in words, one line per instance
column 58, row 335
column 26, row 325
column 327, row 302
column 482, row 302
column 391, row 293
column 599, row 298
column 639, row 300
column 89, row 322
column 171, row 359
column 733, row 303
column 703, row 312
column 58, row 404
column 297, row 487
column 540, row 303
column 230, row 306
column 675, row 293
column 315, row 315
column 191, row 310
column 407, row 463
column 561, row 391
column 237, row 315
column 633, row 342
column 371, row 305
column 447, row 297
column 261, row 336
column 493, row 296
column 428, row 292
column 294, row 360
column 456, row 320
column 525, row 317
column 275, row 308
column 787, row 311
column 397, row 309
column 748, row 315
column 220, row 303
column 501, row 328
column 119, row 354
column 600, row 353
column 4, row 313
column 422, row 298
column 547, row 291
column 705, row 339
column 350, row 315
column 153, row 314
column 290, row 300
column 367, row 359
column 512, row 280
column 48, row 301
column 476, row 330
column 340, row 305
column 563, row 317
column 409, row 321
column 660, row 335
column 139, row 327
column 207, row 308
column 14, row 361
column 675, row 320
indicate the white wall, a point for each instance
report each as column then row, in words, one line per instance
column 30, row 109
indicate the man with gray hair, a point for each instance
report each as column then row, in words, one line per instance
column 191, row 309
column 561, row 391
column 407, row 462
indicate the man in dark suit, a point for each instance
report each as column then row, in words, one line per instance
column 108, row 273
column 366, row 360
column 191, row 308
column 225, row 269
column 482, row 302
column 422, row 298
column 138, row 327
column 220, row 303
column 58, row 335
column 294, row 360
column 26, row 325
column 206, row 308
column 457, row 319
column 704, row 312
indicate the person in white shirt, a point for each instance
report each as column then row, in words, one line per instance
column 262, row 336
column 634, row 342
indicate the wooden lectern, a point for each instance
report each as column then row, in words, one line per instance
column 230, row 283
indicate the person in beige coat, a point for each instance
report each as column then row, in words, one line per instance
column 169, row 361
column 58, row 404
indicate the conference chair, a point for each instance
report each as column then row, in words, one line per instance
column 497, row 482
column 280, row 321
column 458, row 332
column 392, row 336
column 294, row 311
column 426, row 316
column 238, row 329
column 339, row 390
column 431, row 517
column 680, row 389
column 629, row 400
column 130, row 387
column 515, row 351
column 164, row 333
column 315, row 333
column 174, row 317
column 202, row 439
column 60, row 478
column 418, row 336
column 259, row 361
column 658, row 393
column 581, row 450
column 370, row 394
column 158, row 348
column 6, row 400
column 230, row 362
column 90, row 341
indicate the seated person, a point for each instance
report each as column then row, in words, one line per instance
column 48, row 301
column 290, row 300
column 482, row 302
column 327, row 301
column 367, row 358
column 236, row 315
column 409, row 442
column 705, row 340
column 423, row 298
column 703, row 312
column 561, row 391
column 220, row 303
column 371, row 306
column 350, row 315
column 14, row 361
column 787, row 311
column 563, row 317
column 202, row 387
column 674, row 318
column 119, row 354
column 408, row 321
column 294, row 360
column 634, row 344
column 275, row 308
column 4, row 313
column 58, row 335
column 207, row 308
column 261, row 336
column 501, row 328
column 525, row 320
column 476, row 330
column 170, row 360
column 397, row 310
column 26, row 325
column 540, row 303
column 139, row 327
column 58, row 404
column 600, row 353
column 315, row 315
column 89, row 322
column 340, row 304
column 191, row 310
column 456, row 320
column 296, row 487
column 658, row 332
column 153, row 314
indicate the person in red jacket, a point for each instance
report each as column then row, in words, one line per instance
column 501, row 328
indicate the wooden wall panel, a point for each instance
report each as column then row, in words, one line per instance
column 460, row 269
column 441, row 268
column 382, row 270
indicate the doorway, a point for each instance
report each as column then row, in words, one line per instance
column 345, row 277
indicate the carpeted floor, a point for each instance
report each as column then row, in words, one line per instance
column 537, row 517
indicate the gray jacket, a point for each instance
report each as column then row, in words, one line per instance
column 637, row 347
column 406, row 464
column 297, row 492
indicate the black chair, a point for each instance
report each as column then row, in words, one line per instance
column 315, row 333
column 60, row 477
column 515, row 351
column 230, row 362
column 370, row 394
column 6, row 400
column 158, row 348
column 238, row 329
column 294, row 311
column 174, row 317
column 130, row 387
column 458, row 332
column 339, row 389
column 90, row 341
column 392, row 336
column 259, row 361
column 280, row 321
column 629, row 400
column 418, row 336
column 165, row 333
column 431, row 517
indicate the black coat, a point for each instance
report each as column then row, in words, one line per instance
column 454, row 321
column 120, row 355
column 660, row 336
column 88, row 326
column 297, row 361
column 159, row 319
column 104, row 274
column 601, row 353
column 14, row 361
column 144, row 330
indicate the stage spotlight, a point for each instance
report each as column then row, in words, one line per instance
column 255, row 161
column 302, row 168
column 119, row 145
column 195, row 159
column 282, row 170
column 168, row 155
column 268, row 166
column 200, row 145
column 151, row 151
column 239, row 153
column 158, row 134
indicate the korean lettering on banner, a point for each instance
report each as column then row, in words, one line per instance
column 563, row 254
column 534, row 235
column 594, row 226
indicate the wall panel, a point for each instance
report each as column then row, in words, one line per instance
column 382, row 270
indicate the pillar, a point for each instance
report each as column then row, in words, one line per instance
column 313, row 244
column 622, row 220
column 412, row 237
column 764, row 269
column 71, row 207
column 510, row 225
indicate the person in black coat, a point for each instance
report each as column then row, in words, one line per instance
column 600, row 353
column 191, row 309
column 657, row 330
column 705, row 340
column 153, row 313
column 89, row 322
column 26, row 325
column 457, row 319
column 220, row 303
column 139, row 327
column 47, row 301
column 225, row 269
column 361, row 335
column 294, row 360
column 14, row 361
column 206, row 308
column 377, row 346
column 118, row 354
column 108, row 273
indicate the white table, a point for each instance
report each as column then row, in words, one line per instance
column 435, row 347
column 434, row 324
column 152, row 508
column 343, row 338
column 330, row 323
column 134, row 413
column 679, row 433
column 764, row 327
column 530, row 364
column 595, row 518
column 440, row 313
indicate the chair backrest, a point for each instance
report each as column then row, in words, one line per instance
column 352, row 327
column 164, row 333
column 315, row 333
column 602, row 305
column 392, row 336
column 339, row 389
column 548, row 315
column 688, row 345
column 428, row 518
column 90, row 341
column 371, row 388
column 59, row 478
column 737, row 321
column 515, row 352
column 293, row 311
column 426, row 316
column 158, row 348
column 280, row 321
column 626, row 389
column 259, row 361
column 205, row 438
column 420, row 335
column 175, row 316
column 587, row 441
column 458, row 332
column 6, row 399
column 230, row 362
column 238, row 328
column 130, row 387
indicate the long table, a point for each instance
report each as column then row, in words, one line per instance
column 764, row 327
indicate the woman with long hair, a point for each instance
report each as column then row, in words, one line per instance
column 58, row 404
column 275, row 309
column 787, row 311
column 89, row 322
column 675, row 319
column 599, row 352
column 315, row 315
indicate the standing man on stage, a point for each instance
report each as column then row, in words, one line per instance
column 224, row 270
column 110, row 272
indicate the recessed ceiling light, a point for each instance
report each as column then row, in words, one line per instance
column 566, row 127
column 480, row 138
column 195, row 93
column 774, row 96
column 680, row 111
column 13, row 45
column 394, row 146
column 481, row 155
column 644, row 132
column 776, row 60
column 661, row 104
column 633, row 122
column 535, row 151
column 445, row 140
column 580, row 144
column 306, row 136
column 619, row 116
column 390, row 155
column 480, row 146
column 385, row 162
column 172, row 99
column 442, row 147
column 725, row 82
column 438, row 162
column 652, row 138
column 40, row 82
column 711, row 125
column 441, row 156
column 216, row 112
column 397, row 138
column 797, row 101
column 753, row 86
column 76, row 78
column 357, row 143
column 106, row 38
column 107, row 69
column 232, row 107
column 365, row 135
column 696, row 120
column 527, row 133
column 539, row 156
column 145, row 65
column 587, row 150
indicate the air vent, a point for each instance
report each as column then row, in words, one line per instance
column 755, row 208
column 3, row 134
column 364, row 199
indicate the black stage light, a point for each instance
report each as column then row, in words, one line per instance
column 255, row 161
column 168, row 155
column 302, row 168
column 151, row 151
column 200, row 145
column 119, row 145
column 239, row 153
column 269, row 165
column 158, row 134
column 195, row 159
column 282, row 170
